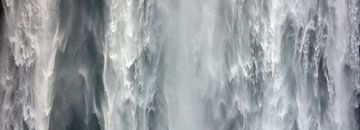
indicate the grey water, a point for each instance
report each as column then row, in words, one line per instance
column 180, row 65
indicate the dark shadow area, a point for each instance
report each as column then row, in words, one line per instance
column 79, row 89
column 2, row 22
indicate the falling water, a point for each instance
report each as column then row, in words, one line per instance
column 180, row 64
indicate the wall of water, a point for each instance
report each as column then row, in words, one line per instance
column 180, row 64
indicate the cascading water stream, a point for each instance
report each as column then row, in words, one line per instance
column 180, row 65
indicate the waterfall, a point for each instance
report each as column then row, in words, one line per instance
column 180, row 64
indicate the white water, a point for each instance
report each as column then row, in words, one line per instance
column 180, row 64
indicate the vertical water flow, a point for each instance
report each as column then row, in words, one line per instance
column 343, row 113
column 45, row 53
column 181, row 91
column 133, row 74
column 238, row 64
column 276, row 102
column 27, row 69
column 120, row 52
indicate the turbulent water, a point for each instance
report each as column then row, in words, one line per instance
column 180, row 65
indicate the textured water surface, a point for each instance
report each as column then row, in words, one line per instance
column 180, row 65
